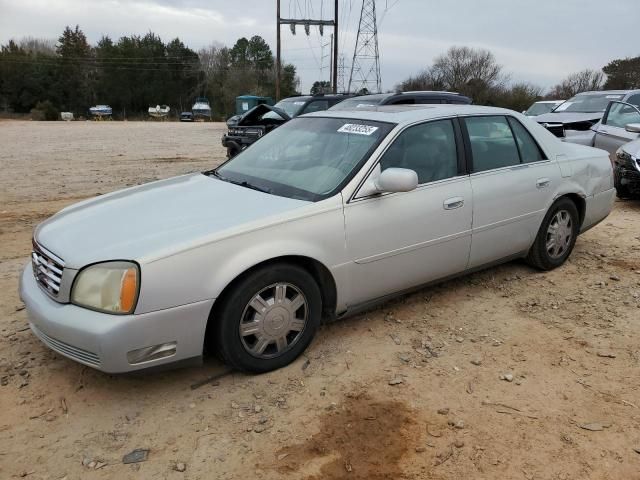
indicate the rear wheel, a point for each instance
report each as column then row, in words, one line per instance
column 268, row 319
column 556, row 237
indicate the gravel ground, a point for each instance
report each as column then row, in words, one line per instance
column 507, row 373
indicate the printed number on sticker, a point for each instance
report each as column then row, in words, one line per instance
column 357, row 129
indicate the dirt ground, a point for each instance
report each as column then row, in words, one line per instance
column 505, row 374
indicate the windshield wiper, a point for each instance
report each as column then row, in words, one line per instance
column 243, row 183
column 246, row 184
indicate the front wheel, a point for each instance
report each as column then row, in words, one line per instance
column 556, row 237
column 268, row 318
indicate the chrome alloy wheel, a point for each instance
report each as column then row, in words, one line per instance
column 273, row 320
column 559, row 234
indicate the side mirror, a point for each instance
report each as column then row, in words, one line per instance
column 633, row 128
column 524, row 112
column 394, row 180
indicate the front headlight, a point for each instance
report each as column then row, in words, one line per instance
column 110, row 287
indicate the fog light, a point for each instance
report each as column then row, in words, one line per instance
column 148, row 354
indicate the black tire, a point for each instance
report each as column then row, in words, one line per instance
column 224, row 335
column 539, row 256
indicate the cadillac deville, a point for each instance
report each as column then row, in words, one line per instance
column 328, row 214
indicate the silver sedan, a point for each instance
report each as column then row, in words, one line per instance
column 328, row 214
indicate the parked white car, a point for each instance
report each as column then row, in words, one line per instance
column 542, row 107
column 326, row 215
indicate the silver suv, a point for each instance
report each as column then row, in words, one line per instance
column 574, row 120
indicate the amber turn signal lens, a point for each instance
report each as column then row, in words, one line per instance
column 129, row 290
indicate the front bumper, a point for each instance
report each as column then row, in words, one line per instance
column 628, row 176
column 102, row 341
column 243, row 142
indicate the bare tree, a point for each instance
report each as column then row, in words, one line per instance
column 424, row 80
column 472, row 72
column 44, row 46
column 584, row 81
column 462, row 66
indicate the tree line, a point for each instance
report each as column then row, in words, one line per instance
column 477, row 74
column 138, row 71
column 132, row 74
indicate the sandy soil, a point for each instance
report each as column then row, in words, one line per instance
column 412, row 390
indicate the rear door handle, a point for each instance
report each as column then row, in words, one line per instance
column 453, row 203
column 543, row 183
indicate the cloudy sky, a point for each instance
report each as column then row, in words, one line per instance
column 539, row 41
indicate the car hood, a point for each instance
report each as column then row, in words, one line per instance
column 157, row 219
column 255, row 114
column 569, row 117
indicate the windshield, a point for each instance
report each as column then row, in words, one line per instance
column 540, row 108
column 306, row 158
column 592, row 103
column 290, row 107
column 360, row 102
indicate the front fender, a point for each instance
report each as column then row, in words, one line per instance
column 202, row 273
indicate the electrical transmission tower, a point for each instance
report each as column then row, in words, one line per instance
column 365, row 68
column 342, row 87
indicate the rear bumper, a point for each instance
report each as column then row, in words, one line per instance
column 598, row 207
column 103, row 341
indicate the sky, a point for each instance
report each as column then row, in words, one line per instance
column 538, row 41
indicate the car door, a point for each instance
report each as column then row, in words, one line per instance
column 512, row 181
column 401, row 240
column 611, row 133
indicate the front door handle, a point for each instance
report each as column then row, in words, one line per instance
column 453, row 203
column 543, row 182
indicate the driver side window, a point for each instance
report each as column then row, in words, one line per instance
column 428, row 149
column 621, row 114
column 316, row 106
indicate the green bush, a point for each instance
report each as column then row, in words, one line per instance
column 45, row 111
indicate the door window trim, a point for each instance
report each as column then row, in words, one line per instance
column 610, row 106
column 460, row 151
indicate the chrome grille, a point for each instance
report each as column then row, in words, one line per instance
column 47, row 269
column 67, row 350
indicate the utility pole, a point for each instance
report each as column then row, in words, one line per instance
column 306, row 23
column 365, row 68
column 278, row 54
column 335, row 48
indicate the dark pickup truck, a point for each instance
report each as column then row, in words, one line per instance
column 257, row 122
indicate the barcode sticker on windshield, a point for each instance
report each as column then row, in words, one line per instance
column 357, row 129
column 615, row 97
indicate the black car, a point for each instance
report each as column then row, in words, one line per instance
column 626, row 170
column 186, row 117
column 404, row 98
column 257, row 122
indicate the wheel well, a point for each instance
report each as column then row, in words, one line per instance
column 580, row 203
column 317, row 270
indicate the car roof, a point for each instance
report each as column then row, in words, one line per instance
column 609, row 92
column 406, row 114
column 551, row 101
column 299, row 98
column 417, row 93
